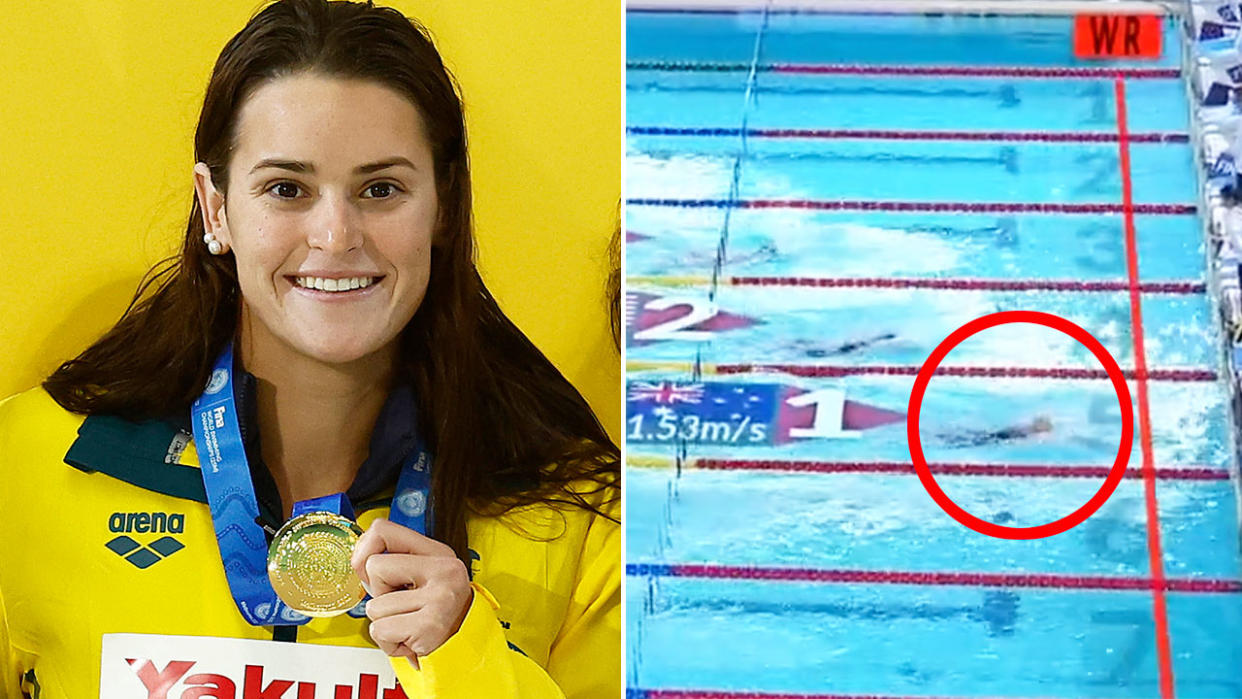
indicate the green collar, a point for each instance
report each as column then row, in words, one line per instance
column 144, row 454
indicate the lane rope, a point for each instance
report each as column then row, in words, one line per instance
column 919, row 206
column 955, row 284
column 1058, row 581
column 1030, row 72
column 916, row 135
column 904, row 468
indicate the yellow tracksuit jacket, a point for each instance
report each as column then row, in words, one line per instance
column 121, row 542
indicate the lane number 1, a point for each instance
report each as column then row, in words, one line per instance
column 829, row 415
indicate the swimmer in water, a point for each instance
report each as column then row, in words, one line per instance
column 817, row 351
column 855, row 345
column 978, row 438
column 766, row 252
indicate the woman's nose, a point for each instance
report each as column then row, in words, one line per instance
column 337, row 231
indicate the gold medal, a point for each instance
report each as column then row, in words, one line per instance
column 308, row 564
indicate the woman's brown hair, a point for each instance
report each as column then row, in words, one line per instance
column 505, row 426
column 613, row 287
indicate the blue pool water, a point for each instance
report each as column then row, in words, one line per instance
column 704, row 95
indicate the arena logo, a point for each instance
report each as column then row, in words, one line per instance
column 143, row 556
column 144, row 522
column 173, row 677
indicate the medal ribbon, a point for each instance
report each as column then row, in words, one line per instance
column 235, row 509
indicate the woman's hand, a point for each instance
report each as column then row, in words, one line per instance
column 420, row 590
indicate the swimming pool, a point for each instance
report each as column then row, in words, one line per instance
column 814, row 202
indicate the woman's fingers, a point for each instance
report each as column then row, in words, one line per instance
column 400, row 571
column 420, row 590
column 389, row 637
column 441, row 600
column 416, row 633
column 384, row 536
column 385, row 572
column 394, row 603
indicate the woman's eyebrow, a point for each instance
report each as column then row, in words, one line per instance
column 299, row 166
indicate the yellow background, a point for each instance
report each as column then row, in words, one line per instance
column 100, row 99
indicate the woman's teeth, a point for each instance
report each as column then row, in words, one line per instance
column 322, row 284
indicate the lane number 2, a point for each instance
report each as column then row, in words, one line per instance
column 678, row 328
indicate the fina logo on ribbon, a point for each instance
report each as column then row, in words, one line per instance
column 412, row 503
column 219, row 378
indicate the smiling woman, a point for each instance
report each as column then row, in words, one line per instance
column 300, row 231
column 360, row 449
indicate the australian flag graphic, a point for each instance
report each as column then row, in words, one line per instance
column 737, row 413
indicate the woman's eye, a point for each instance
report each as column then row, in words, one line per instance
column 285, row 188
column 387, row 187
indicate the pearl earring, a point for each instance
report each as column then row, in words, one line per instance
column 214, row 246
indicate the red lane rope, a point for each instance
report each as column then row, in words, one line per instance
column 1011, row 372
column 1187, row 473
column 918, row 206
column 917, row 135
column 977, row 71
column 967, row 207
column 962, row 71
column 1156, row 559
column 1021, row 136
column 1058, row 581
column 1171, row 287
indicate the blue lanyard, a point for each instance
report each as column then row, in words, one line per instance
column 235, row 510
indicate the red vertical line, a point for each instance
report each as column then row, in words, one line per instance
column 1155, row 557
